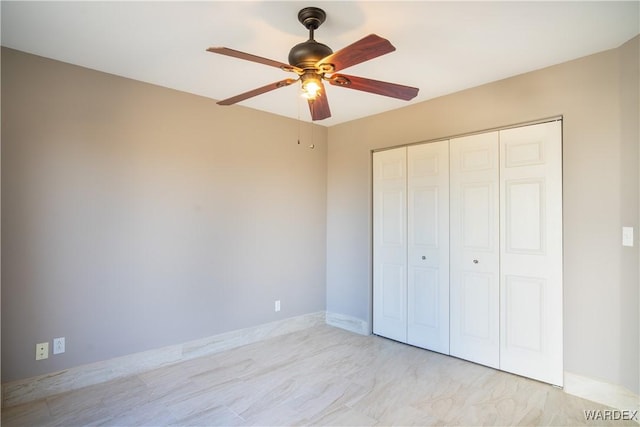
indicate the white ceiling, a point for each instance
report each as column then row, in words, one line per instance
column 442, row 47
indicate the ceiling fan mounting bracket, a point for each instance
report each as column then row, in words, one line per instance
column 311, row 17
column 326, row 68
column 340, row 81
column 285, row 82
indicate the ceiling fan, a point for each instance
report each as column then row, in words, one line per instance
column 314, row 62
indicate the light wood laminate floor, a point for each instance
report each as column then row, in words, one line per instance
column 319, row 376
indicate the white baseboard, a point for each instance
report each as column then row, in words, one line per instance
column 30, row 389
column 349, row 323
column 595, row 390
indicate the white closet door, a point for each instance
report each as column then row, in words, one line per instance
column 475, row 249
column 390, row 244
column 428, row 246
column 531, row 251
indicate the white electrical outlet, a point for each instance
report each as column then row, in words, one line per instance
column 58, row 345
column 277, row 305
column 42, row 350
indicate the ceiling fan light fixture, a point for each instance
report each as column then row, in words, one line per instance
column 311, row 85
column 311, row 90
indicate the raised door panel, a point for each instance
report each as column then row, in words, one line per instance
column 531, row 251
column 389, row 244
column 524, row 216
column 475, row 249
column 428, row 246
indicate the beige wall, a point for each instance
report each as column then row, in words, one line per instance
column 601, row 326
column 630, row 206
column 136, row 217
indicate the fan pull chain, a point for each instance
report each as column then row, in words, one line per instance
column 298, row 105
column 312, row 145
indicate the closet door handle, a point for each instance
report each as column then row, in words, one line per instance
column 475, row 261
column 424, row 257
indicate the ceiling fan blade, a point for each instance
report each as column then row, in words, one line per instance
column 374, row 86
column 319, row 107
column 255, row 92
column 364, row 49
column 253, row 58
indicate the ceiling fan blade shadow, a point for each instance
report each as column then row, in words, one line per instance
column 319, row 107
column 392, row 90
column 363, row 50
column 253, row 58
column 258, row 91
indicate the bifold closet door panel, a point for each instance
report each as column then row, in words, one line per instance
column 531, row 251
column 475, row 252
column 390, row 243
column 428, row 246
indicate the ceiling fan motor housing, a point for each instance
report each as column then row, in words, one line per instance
column 305, row 55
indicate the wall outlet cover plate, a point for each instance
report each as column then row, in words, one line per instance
column 42, row 350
